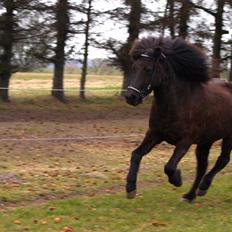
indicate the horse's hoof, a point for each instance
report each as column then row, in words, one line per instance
column 131, row 194
column 201, row 192
column 188, row 198
column 176, row 180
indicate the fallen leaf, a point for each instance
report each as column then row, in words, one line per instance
column 158, row 223
column 44, row 222
column 67, row 229
column 17, row 222
column 57, row 220
column 197, row 205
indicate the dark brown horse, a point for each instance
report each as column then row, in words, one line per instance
column 188, row 108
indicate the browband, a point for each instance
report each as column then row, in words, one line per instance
column 147, row 56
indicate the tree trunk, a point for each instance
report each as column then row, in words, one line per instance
column 83, row 80
column 4, row 87
column 171, row 18
column 230, row 71
column 217, row 39
column 62, row 27
column 86, row 50
column 7, row 45
column 57, row 87
column 184, row 15
column 133, row 31
column 169, row 21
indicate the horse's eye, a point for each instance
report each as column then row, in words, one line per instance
column 149, row 70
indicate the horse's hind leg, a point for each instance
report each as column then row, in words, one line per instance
column 202, row 153
column 221, row 162
column 148, row 143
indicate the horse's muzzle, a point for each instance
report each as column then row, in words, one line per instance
column 132, row 98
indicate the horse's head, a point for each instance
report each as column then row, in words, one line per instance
column 160, row 61
column 144, row 73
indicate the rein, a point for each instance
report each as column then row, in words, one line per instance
column 145, row 91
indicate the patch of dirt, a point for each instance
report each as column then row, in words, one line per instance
column 10, row 178
column 16, row 114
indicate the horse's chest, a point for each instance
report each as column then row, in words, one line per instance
column 171, row 131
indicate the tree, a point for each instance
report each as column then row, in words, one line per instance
column 121, row 49
column 217, row 39
column 184, row 16
column 62, row 25
column 218, row 32
column 19, row 31
column 6, row 44
column 92, row 17
column 169, row 20
column 88, row 11
column 54, row 48
column 230, row 58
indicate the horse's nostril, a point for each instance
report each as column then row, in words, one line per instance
column 129, row 96
column 132, row 99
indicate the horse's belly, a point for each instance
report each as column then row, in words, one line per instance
column 172, row 137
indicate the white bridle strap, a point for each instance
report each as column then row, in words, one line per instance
column 145, row 55
column 133, row 88
column 163, row 55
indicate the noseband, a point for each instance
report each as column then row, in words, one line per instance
column 142, row 93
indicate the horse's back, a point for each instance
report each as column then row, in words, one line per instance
column 225, row 84
column 217, row 110
column 228, row 85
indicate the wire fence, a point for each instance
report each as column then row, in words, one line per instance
column 78, row 138
column 65, row 90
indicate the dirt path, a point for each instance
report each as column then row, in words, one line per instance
column 36, row 172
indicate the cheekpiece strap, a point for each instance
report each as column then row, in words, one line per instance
column 145, row 55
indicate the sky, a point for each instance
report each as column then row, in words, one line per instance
column 115, row 30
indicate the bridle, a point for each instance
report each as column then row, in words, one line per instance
column 144, row 92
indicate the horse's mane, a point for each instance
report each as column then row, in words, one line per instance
column 186, row 60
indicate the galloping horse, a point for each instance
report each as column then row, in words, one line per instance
column 188, row 108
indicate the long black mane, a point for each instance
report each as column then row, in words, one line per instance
column 186, row 60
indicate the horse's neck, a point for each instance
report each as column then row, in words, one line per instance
column 169, row 97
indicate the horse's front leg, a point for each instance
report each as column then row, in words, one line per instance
column 148, row 143
column 174, row 174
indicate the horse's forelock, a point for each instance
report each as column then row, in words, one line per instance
column 150, row 46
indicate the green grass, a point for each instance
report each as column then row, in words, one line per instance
column 156, row 209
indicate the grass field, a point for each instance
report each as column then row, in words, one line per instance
column 78, row 185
